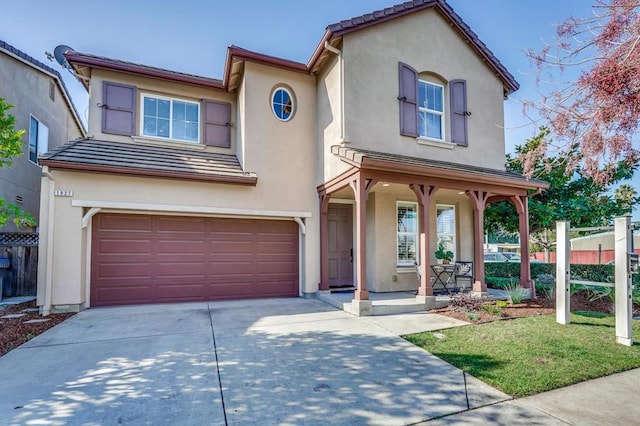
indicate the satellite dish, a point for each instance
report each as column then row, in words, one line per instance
column 59, row 52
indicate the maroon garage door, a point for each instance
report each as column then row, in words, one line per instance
column 157, row 259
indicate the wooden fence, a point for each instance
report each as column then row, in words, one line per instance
column 21, row 277
column 583, row 257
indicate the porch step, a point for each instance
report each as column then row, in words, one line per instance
column 381, row 306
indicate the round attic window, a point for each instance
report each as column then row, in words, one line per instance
column 282, row 104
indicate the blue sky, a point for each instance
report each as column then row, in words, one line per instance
column 192, row 36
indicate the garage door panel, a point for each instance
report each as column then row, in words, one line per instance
column 153, row 259
column 119, row 223
column 125, row 247
column 125, row 270
column 181, row 225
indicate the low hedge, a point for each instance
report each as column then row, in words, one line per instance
column 599, row 273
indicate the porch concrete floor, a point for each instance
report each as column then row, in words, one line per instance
column 398, row 302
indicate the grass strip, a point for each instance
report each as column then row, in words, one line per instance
column 526, row 356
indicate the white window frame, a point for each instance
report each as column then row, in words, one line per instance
column 450, row 236
column 41, row 139
column 416, row 234
column 144, row 95
column 293, row 103
column 424, row 109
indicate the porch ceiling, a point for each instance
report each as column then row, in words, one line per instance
column 402, row 169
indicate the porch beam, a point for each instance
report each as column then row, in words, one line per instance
column 479, row 202
column 522, row 207
column 459, row 185
column 338, row 182
column 424, row 192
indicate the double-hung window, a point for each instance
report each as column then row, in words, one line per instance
column 170, row 118
column 430, row 110
column 407, row 233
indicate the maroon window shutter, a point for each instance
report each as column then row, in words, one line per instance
column 408, row 98
column 458, row 95
column 118, row 108
column 217, row 124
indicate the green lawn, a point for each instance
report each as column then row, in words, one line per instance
column 530, row 355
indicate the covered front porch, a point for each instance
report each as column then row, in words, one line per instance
column 472, row 188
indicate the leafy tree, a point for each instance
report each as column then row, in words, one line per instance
column 596, row 113
column 575, row 196
column 10, row 147
column 627, row 198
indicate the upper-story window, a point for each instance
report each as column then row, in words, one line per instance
column 422, row 108
column 282, row 104
column 38, row 139
column 170, row 118
column 430, row 110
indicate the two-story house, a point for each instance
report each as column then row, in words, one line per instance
column 283, row 178
column 41, row 106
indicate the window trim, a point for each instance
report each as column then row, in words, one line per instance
column 144, row 95
column 431, row 111
column 293, row 103
column 416, row 233
column 454, row 249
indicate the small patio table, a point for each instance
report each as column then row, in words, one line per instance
column 445, row 275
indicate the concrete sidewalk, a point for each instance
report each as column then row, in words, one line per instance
column 610, row 400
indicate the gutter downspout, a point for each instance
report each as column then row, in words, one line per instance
column 330, row 48
column 48, row 283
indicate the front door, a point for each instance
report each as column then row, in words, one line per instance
column 340, row 224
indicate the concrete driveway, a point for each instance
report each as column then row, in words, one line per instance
column 279, row 361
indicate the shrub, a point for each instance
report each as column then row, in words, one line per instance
column 501, row 303
column 499, row 282
column 467, row 302
column 492, row 309
column 515, row 293
column 546, row 285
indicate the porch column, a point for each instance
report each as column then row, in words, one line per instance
column 324, row 242
column 423, row 193
column 361, row 186
column 479, row 201
column 522, row 207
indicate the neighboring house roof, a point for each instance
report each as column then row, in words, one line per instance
column 148, row 160
column 341, row 28
column 34, row 63
column 382, row 161
column 86, row 59
column 236, row 55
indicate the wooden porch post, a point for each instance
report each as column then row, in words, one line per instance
column 361, row 186
column 479, row 201
column 522, row 207
column 423, row 193
column 324, row 241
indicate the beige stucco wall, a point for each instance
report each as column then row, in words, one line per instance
column 28, row 90
column 426, row 42
column 282, row 154
column 381, row 234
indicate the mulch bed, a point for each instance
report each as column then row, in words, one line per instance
column 14, row 332
column 540, row 306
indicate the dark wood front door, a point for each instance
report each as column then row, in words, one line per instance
column 340, row 256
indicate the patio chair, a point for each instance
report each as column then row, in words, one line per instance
column 464, row 271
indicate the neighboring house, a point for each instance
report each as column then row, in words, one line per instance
column 283, row 178
column 597, row 248
column 42, row 107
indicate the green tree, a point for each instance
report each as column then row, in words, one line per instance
column 571, row 196
column 11, row 147
column 627, row 198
